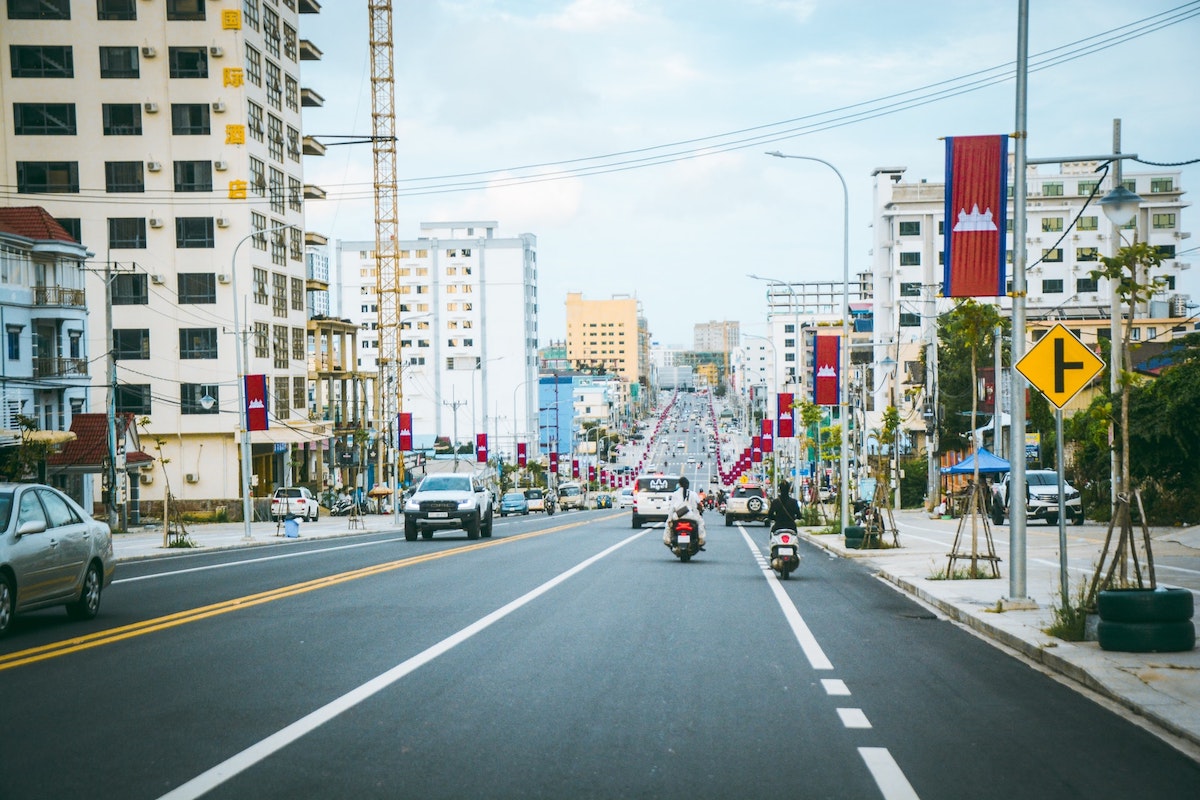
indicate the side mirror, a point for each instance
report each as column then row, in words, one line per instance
column 32, row 526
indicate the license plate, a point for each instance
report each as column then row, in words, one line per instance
column 684, row 538
column 785, row 552
column 439, row 514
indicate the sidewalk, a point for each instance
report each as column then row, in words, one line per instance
column 1164, row 688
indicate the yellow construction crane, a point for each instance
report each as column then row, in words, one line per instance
column 389, row 391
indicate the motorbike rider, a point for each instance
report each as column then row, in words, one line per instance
column 784, row 511
column 685, row 504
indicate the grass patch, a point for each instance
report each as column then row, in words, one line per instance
column 967, row 574
column 1069, row 619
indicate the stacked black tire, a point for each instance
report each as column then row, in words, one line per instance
column 855, row 534
column 1146, row 620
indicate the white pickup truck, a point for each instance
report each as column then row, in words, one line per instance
column 449, row 501
column 1041, row 498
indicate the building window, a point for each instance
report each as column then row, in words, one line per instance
column 198, row 288
column 253, row 66
column 193, row 176
column 910, row 259
column 275, row 137
column 299, row 392
column 44, row 119
column 188, row 62
column 119, row 62
column 71, row 226
column 1163, row 221
column 291, row 92
column 279, row 346
column 124, row 177
column 1087, row 285
column 296, row 244
column 129, row 289
column 261, row 336
column 197, row 343
column 1088, row 187
column 258, row 223
column 42, row 61
column 909, row 320
column 1052, row 224
column 39, row 9
column 1167, row 282
column 912, row 228
column 185, row 10
column 190, row 119
column 293, row 144
column 116, row 9
column 194, row 232
column 1054, row 256
column 258, row 183
column 131, row 344
column 297, row 294
column 299, row 336
column 1054, row 189
column 1160, row 185
column 282, row 392
column 276, row 188
column 910, row 290
column 254, row 120
column 274, row 86
column 1052, row 286
column 127, row 232
column 122, row 119
column 132, row 398
column 1087, row 224
column 1087, row 254
column 194, row 396
column 14, row 342
column 250, row 13
column 271, row 31
column 48, row 177
column 259, row 279
column 279, row 304
column 290, row 47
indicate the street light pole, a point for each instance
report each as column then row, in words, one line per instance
column 843, row 370
column 243, row 359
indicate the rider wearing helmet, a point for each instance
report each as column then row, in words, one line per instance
column 784, row 511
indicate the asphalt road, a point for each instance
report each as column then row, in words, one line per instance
column 569, row 656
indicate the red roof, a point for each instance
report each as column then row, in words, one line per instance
column 90, row 447
column 33, row 222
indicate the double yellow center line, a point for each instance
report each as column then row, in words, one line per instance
column 112, row 635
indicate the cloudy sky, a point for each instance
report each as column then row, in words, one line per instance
column 628, row 135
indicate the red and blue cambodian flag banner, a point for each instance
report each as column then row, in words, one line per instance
column 976, row 216
column 828, row 365
column 256, row 402
column 522, row 455
column 756, row 453
column 574, row 467
column 481, row 448
column 767, row 436
column 405, row 428
column 786, row 415
column 553, row 461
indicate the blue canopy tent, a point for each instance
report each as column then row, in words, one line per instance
column 989, row 463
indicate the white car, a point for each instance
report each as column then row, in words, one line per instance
column 294, row 501
column 625, row 498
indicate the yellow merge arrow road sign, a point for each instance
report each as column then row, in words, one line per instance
column 1059, row 365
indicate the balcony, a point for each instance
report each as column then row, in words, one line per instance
column 56, row 367
column 57, row 296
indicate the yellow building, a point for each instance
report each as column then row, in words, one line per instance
column 608, row 333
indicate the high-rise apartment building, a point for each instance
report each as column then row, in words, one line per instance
column 716, row 337
column 468, row 329
column 166, row 138
column 610, row 334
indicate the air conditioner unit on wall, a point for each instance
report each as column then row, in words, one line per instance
column 156, row 278
column 156, row 222
column 216, row 52
column 222, row 277
column 153, row 166
column 151, row 108
column 146, row 478
column 220, row 166
column 192, row 477
column 149, row 52
column 222, row 222
column 218, row 107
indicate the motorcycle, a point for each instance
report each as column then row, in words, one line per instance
column 550, row 506
column 342, row 508
column 785, row 552
column 685, row 538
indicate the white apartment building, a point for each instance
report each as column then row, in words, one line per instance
column 166, row 137
column 908, row 267
column 469, row 329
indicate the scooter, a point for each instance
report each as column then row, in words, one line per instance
column 550, row 506
column 785, row 552
column 342, row 508
column 685, row 539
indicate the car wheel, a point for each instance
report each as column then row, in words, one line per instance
column 1079, row 517
column 728, row 521
column 754, row 504
column 486, row 531
column 410, row 529
column 88, row 603
column 637, row 521
column 472, row 526
column 8, row 603
column 316, row 513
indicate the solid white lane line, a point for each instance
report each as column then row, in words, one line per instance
column 853, row 718
column 833, row 686
column 244, row 562
column 887, row 774
column 808, row 643
column 231, row 767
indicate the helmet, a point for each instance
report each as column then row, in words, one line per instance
column 683, row 481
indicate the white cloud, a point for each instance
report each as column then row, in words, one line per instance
column 592, row 15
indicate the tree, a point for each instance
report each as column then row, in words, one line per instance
column 964, row 332
column 27, row 460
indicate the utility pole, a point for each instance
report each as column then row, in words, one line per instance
column 454, row 405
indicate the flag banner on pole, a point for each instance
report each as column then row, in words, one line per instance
column 522, row 455
column 756, row 452
column 591, row 472
column 786, row 415
column 827, row 386
column 256, row 402
column 574, row 467
column 976, row 216
column 481, row 448
column 768, row 436
column 553, row 461
column 405, row 428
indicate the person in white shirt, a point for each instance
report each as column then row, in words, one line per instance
column 685, row 504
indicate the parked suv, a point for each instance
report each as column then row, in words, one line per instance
column 1041, row 492
column 294, row 501
column 448, row 501
column 51, row 553
column 747, row 501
